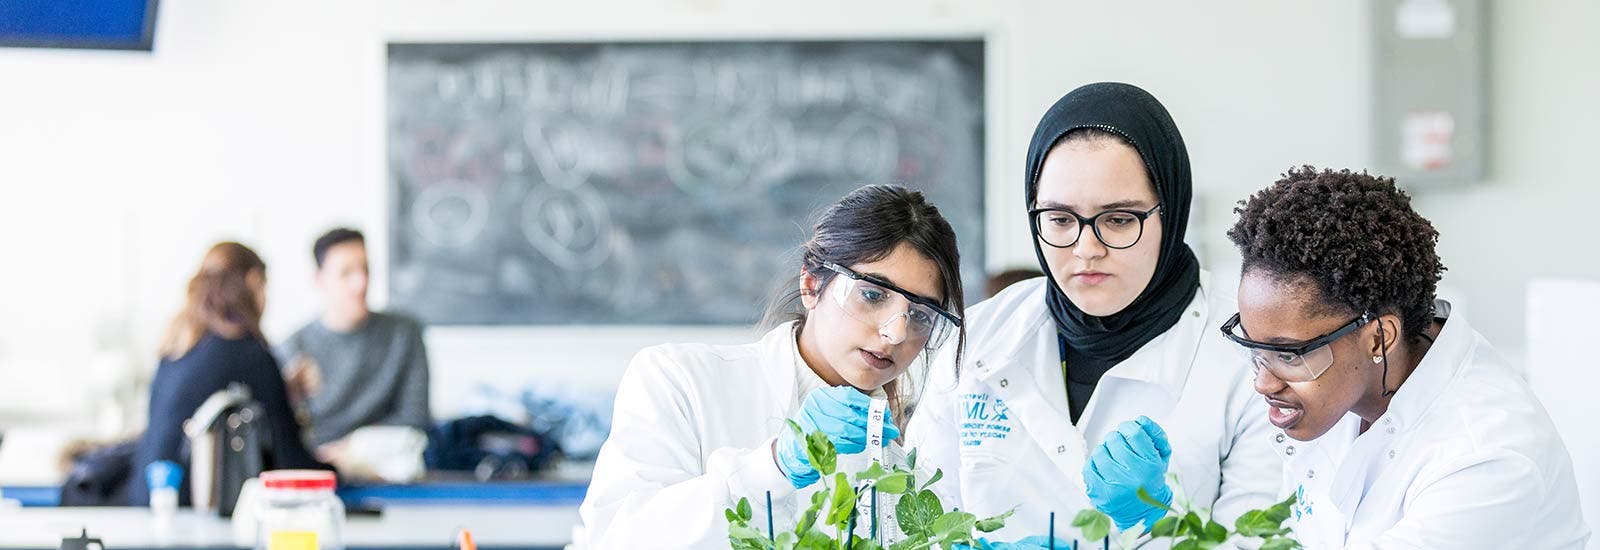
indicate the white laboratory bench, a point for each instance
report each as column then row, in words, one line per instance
column 495, row 527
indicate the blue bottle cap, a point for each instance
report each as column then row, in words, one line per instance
column 163, row 474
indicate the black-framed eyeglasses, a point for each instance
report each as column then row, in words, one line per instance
column 878, row 303
column 1118, row 229
column 1302, row 362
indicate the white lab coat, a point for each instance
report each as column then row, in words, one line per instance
column 1002, row 433
column 693, row 433
column 1465, row 457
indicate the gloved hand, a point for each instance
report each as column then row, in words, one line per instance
column 840, row 412
column 1134, row 456
column 1030, row 543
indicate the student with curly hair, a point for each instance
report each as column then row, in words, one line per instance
column 1400, row 427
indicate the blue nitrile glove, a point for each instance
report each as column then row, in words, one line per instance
column 1030, row 543
column 1134, row 456
column 840, row 412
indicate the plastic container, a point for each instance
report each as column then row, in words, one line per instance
column 163, row 478
column 298, row 510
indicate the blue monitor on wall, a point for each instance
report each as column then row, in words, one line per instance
column 87, row 24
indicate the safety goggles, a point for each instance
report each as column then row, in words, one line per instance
column 1292, row 363
column 879, row 303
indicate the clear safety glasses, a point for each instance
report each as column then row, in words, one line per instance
column 1292, row 363
column 879, row 303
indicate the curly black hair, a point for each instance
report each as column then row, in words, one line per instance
column 1353, row 235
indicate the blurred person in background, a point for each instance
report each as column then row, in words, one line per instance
column 352, row 367
column 215, row 340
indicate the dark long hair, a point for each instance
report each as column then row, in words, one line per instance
column 863, row 227
column 219, row 300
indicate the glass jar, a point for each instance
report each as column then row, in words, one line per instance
column 297, row 510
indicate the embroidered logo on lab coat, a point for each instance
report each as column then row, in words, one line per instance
column 1302, row 507
column 983, row 418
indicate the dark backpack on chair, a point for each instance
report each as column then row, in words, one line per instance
column 100, row 477
column 491, row 448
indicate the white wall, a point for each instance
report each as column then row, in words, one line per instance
column 1528, row 219
column 261, row 121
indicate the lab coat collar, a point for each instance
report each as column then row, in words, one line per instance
column 778, row 346
column 1163, row 362
column 1018, row 332
column 1450, row 351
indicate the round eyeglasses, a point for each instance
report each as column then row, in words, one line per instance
column 1061, row 228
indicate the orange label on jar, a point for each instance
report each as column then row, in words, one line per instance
column 292, row 540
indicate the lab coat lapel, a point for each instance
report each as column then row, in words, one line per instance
column 1150, row 382
column 1030, row 397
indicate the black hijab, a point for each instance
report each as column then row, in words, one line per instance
column 1134, row 114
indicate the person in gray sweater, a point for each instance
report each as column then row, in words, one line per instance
column 354, row 367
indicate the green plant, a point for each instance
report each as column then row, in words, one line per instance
column 1188, row 530
column 918, row 512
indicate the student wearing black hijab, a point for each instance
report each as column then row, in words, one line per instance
column 1083, row 386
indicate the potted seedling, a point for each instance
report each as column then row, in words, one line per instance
column 1192, row 528
column 829, row 522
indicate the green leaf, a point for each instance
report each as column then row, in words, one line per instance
column 807, row 520
column 894, row 484
column 938, row 474
column 843, row 501
column 954, row 524
column 785, row 541
column 992, row 524
column 820, row 451
column 858, row 543
column 1094, row 524
column 1164, row 527
column 732, row 518
column 744, row 537
column 1255, row 523
column 1280, row 543
column 1278, row 513
column 872, row 473
column 745, row 513
column 908, row 543
column 1188, row 544
column 1145, row 496
column 911, row 460
column 814, row 540
column 1214, row 532
column 1192, row 523
column 916, row 512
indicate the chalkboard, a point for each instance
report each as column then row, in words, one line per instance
column 657, row 183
